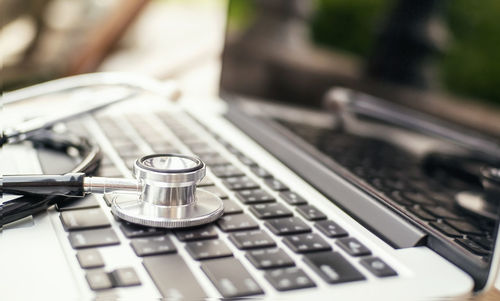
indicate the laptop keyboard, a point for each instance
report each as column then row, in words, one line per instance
column 399, row 176
column 263, row 218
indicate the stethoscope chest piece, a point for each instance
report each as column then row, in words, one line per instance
column 168, row 196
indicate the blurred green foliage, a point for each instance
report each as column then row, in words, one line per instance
column 348, row 25
column 241, row 14
column 471, row 63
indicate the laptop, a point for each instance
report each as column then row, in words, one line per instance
column 319, row 203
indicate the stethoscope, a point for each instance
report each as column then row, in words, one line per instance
column 163, row 193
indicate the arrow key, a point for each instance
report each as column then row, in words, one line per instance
column 332, row 267
column 378, row 267
column 353, row 247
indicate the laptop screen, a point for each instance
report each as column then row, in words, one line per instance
column 419, row 54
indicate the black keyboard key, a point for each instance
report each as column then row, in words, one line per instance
column 378, row 267
column 292, row 198
column 353, row 247
column 216, row 190
column 130, row 151
column 310, row 212
column 441, row 212
column 305, row 243
column 99, row 280
column 418, row 198
column 485, row 242
column 236, row 222
column 188, row 137
column 240, row 183
column 330, row 229
column 397, row 197
column 464, row 227
column 247, row 161
column 269, row 258
column 153, row 245
column 472, row 246
column 162, row 147
column 440, row 197
column 78, row 203
column 201, row 149
column 270, row 210
column 289, row 279
column 230, row 148
column 446, row 229
column 200, row 145
column 198, row 233
column 84, row 219
column 90, row 258
column 132, row 230
column 231, row 207
column 206, row 249
column 227, row 171
column 212, row 160
column 286, row 226
column 422, row 214
column 231, row 278
column 173, row 278
column 93, row 238
column 276, row 185
column 252, row 240
column 395, row 184
column 378, row 183
column 332, row 267
column 260, row 172
column 254, row 196
column 123, row 277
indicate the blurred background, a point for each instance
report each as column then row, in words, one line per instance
column 426, row 53
column 47, row 39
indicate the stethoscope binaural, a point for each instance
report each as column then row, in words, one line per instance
column 163, row 194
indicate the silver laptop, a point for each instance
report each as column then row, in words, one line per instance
column 343, row 202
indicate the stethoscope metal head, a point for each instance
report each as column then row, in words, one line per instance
column 168, row 196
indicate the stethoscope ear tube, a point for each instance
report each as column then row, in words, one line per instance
column 70, row 184
column 27, row 205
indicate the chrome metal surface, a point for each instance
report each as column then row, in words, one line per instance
column 168, row 195
column 107, row 185
column 169, row 179
column 207, row 208
column 191, row 174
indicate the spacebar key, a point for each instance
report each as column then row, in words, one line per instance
column 173, row 278
column 230, row 277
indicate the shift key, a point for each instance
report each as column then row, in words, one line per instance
column 230, row 277
column 173, row 278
